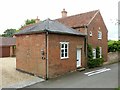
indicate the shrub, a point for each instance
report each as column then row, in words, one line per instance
column 94, row 62
column 113, row 46
column 97, row 52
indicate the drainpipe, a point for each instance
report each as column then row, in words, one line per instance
column 46, row 55
column 86, row 42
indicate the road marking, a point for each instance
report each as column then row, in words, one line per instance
column 94, row 71
column 97, row 71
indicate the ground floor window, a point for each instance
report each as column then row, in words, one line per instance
column 100, row 52
column 94, row 53
column 64, row 49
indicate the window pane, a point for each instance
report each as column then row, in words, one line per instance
column 62, row 46
column 65, row 54
column 65, row 45
column 65, row 50
column 62, row 53
column 94, row 53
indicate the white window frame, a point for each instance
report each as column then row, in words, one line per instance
column 94, row 53
column 64, row 43
column 99, row 35
column 90, row 33
column 100, row 52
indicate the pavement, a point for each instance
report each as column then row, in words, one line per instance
column 11, row 78
column 106, row 79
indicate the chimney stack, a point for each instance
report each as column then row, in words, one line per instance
column 64, row 13
column 37, row 20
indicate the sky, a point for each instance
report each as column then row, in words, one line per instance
column 13, row 13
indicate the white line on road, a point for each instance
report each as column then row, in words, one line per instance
column 94, row 71
column 97, row 71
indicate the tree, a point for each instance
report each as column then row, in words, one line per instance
column 29, row 21
column 9, row 32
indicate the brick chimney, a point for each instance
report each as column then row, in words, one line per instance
column 64, row 13
column 37, row 20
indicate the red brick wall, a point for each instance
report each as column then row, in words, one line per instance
column 94, row 41
column 58, row 66
column 28, row 54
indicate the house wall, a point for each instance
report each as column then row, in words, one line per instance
column 28, row 54
column 58, row 66
column 94, row 41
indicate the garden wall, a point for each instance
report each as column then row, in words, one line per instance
column 113, row 57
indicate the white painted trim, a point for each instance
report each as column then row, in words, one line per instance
column 93, row 17
column 100, row 33
column 67, row 50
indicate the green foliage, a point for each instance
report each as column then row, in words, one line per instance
column 94, row 62
column 90, row 53
column 27, row 22
column 9, row 32
column 111, row 42
column 97, row 52
column 117, row 88
column 113, row 46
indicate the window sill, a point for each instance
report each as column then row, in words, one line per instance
column 64, row 58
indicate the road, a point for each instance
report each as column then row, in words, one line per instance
column 108, row 79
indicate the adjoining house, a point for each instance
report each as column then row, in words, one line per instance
column 48, row 49
column 7, row 46
column 92, row 24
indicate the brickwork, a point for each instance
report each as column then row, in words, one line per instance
column 96, row 25
column 28, row 54
column 29, row 58
column 58, row 66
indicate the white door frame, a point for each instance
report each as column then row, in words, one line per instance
column 78, row 57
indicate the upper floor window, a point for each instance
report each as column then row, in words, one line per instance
column 99, row 35
column 90, row 33
column 64, row 49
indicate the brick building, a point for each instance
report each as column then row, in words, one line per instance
column 7, row 46
column 92, row 25
column 48, row 49
column 53, row 47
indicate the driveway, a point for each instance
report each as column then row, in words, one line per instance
column 107, row 79
column 11, row 78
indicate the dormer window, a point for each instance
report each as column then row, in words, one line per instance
column 99, row 35
column 90, row 33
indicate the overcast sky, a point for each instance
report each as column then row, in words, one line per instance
column 13, row 13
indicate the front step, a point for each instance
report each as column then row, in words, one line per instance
column 80, row 69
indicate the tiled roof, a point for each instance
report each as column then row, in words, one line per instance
column 50, row 26
column 78, row 20
column 7, row 41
